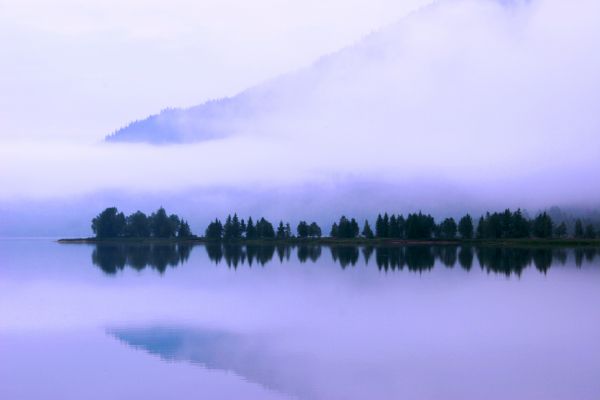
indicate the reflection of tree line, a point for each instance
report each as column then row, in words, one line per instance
column 114, row 257
column 504, row 260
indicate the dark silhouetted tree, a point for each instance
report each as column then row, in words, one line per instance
column 137, row 225
column 590, row 232
column 314, row 230
column 561, row 230
column 214, row 231
column 302, row 230
column 367, row 232
column 448, row 228
column 250, row 230
column 579, row 229
column 465, row 227
column 109, row 223
column 162, row 225
column 543, row 226
column 184, row 230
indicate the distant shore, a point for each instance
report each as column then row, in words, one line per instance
column 335, row 241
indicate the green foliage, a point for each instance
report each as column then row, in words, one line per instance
column 448, row 228
column 561, row 230
column 232, row 230
column 264, row 229
column 214, row 231
column 302, row 229
column 504, row 225
column 345, row 229
column 137, row 225
column 367, row 232
column 590, row 232
column 163, row 226
column 314, row 230
column 543, row 226
column 419, row 226
column 109, row 223
column 184, row 230
column 250, row 230
column 465, row 227
column 579, row 229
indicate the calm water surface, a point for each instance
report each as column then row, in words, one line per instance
column 308, row 322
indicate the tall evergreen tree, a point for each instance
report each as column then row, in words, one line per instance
column 184, row 230
column 280, row 231
column 379, row 227
column 579, row 229
column 394, row 229
column 543, row 226
column 214, row 231
column 250, row 229
column 481, row 228
column 590, row 232
column 367, row 232
column 465, row 227
column 334, row 230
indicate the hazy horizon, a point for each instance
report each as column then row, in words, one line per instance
column 472, row 104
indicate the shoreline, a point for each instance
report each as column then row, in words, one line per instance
column 570, row 242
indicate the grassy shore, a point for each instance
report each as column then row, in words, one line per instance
column 350, row 242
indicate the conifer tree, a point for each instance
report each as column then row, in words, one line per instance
column 250, row 229
column 465, row 227
column 578, row 229
column 367, row 232
column 314, row 230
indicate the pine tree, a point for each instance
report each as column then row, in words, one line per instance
column 590, row 232
column 367, row 232
column 281, row 231
column 334, row 230
column 465, row 227
column 250, row 230
column 578, row 229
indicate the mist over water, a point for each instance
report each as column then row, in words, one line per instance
column 481, row 104
column 307, row 322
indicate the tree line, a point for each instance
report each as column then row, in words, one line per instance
column 415, row 226
column 113, row 257
column 111, row 223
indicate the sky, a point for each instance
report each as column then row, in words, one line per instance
column 457, row 106
column 85, row 68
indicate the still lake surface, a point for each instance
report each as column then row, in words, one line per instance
column 307, row 322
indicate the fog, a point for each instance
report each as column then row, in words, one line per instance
column 460, row 106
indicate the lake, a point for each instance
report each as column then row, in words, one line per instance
column 303, row 322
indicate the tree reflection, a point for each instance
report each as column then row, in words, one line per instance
column 114, row 257
column 417, row 258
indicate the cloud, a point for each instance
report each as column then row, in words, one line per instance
column 497, row 101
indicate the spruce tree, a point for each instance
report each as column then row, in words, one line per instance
column 578, row 229
column 250, row 229
column 367, row 232
column 465, row 227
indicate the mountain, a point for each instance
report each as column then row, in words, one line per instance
column 356, row 85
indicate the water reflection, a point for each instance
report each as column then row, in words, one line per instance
column 114, row 257
column 244, row 355
column 502, row 260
